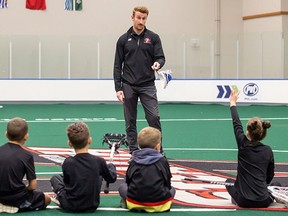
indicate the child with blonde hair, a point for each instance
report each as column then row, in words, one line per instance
column 148, row 177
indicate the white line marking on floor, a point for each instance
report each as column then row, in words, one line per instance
column 212, row 149
column 59, row 120
column 172, row 210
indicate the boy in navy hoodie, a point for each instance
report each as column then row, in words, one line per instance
column 148, row 177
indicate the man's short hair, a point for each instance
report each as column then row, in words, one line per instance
column 149, row 137
column 141, row 9
column 78, row 134
column 17, row 128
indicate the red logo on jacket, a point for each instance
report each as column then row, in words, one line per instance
column 147, row 40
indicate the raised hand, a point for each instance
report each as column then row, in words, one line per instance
column 234, row 97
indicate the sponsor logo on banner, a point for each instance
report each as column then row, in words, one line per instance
column 224, row 91
column 250, row 89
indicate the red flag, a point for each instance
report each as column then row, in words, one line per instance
column 36, row 4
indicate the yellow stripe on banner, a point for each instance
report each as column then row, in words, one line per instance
column 159, row 208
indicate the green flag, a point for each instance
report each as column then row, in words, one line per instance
column 78, row 5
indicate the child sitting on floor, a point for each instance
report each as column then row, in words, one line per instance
column 15, row 163
column 78, row 189
column 255, row 162
column 148, row 177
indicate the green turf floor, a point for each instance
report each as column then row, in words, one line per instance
column 190, row 131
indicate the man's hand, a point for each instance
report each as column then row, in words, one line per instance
column 120, row 96
column 155, row 66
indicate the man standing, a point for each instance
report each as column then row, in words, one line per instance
column 138, row 55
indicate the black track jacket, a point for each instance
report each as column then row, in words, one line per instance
column 134, row 56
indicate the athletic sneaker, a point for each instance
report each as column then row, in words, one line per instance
column 8, row 209
column 55, row 200
column 123, row 204
column 279, row 194
column 165, row 76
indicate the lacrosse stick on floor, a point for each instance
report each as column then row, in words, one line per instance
column 165, row 77
column 208, row 181
column 114, row 141
column 279, row 193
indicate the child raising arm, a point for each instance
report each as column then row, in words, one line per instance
column 255, row 162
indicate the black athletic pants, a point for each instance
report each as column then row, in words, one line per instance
column 149, row 101
column 244, row 203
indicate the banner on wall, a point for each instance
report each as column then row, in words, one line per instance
column 3, row 4
column 36, row 4
column 191, row 91
column 250, row 90
column 73, row 5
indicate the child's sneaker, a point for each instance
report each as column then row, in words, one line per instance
column 8, row 209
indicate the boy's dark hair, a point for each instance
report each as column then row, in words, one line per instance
column 257, row 128
column 78, row 134
column 17, row 128
column 149, row 137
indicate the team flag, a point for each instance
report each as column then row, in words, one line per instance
column 36, row 4
column 3, row 4
column 73, row 5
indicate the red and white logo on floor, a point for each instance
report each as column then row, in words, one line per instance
column 196, row 194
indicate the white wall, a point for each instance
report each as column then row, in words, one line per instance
column 108, row 17
column 179, row 23
column 254, row 7
column 263, row 50
column 231, row 29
